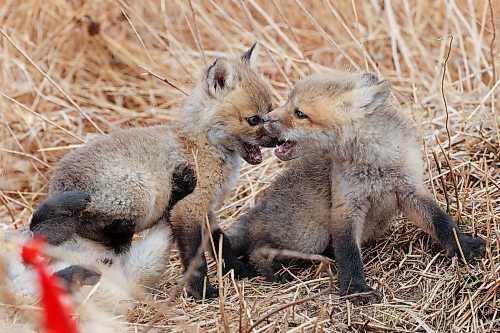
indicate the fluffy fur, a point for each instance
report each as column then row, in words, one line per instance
column 363, row 165
column 126, row 177
column 103, row 284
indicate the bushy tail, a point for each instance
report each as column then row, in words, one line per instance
column 145, row 262
column 142, row 265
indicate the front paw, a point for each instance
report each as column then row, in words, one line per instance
column 76, row 275
column 360, row 293
column 278, row 276
column 241, row 270
column 472, row 248
column 197, row 287
column 185, row 179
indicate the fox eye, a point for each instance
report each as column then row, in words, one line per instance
column 253, row 120
column 299, row 114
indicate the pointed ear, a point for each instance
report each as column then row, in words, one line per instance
column 220, row 78
column 250, row 56
column 374, row 96
column 368, row 79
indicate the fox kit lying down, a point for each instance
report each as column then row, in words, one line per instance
column 85, row 263
column 364, row 166
column 127, row 175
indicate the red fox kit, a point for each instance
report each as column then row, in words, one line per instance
column 84, row 263
column 126, row 176
column 364, row 166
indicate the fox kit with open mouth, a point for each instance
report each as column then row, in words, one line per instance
column 362, row 164
column 126, row 177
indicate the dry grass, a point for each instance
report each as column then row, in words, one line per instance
column 73, row 68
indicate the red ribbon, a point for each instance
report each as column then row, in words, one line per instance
column 57, row 316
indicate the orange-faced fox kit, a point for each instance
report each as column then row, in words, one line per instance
column 127, row 175
column 364, row 166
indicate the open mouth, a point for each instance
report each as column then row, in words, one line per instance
column 252, row 154
column 284, row 149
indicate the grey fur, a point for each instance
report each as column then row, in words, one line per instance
column 363, row 166
column 128, row 174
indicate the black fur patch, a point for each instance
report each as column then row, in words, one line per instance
column 183, row 183
column 118, row 235
column 57, row 217
column 231, row 261
column 189, row 239
column 350, row 266
column 77, row 275
column 443, row 225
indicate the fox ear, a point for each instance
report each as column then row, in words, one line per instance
column 369, row 79
column 375, row 95
column 250, row 56
column 220, row 78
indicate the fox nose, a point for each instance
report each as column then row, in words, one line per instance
column 266, row 118
column 270, row 117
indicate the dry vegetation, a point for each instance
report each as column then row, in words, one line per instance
column 70, row 69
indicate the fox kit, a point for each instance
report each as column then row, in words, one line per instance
column 370, row 156
column 127, row 175
column 82, row 264
column 293, row 214
column 115, row 277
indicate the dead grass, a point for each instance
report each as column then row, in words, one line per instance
column 73, row 68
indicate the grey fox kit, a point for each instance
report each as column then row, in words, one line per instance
column 83, row 264
column 126, row 176
column 363, row 164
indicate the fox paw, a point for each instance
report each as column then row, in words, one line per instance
column 242, row 270
column 361, row 294
column 77, row 276
column 278, row 276
column 196, row 290
column 472, row 248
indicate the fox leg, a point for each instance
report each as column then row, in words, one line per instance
column 268, row 266
column 349, row 264
column 347, row 230
column 427, row 214
column 189, row 239
column 57, row 217
column 231, row 261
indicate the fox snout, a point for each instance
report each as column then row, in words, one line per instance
column 271, row 116
column 272, row 124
